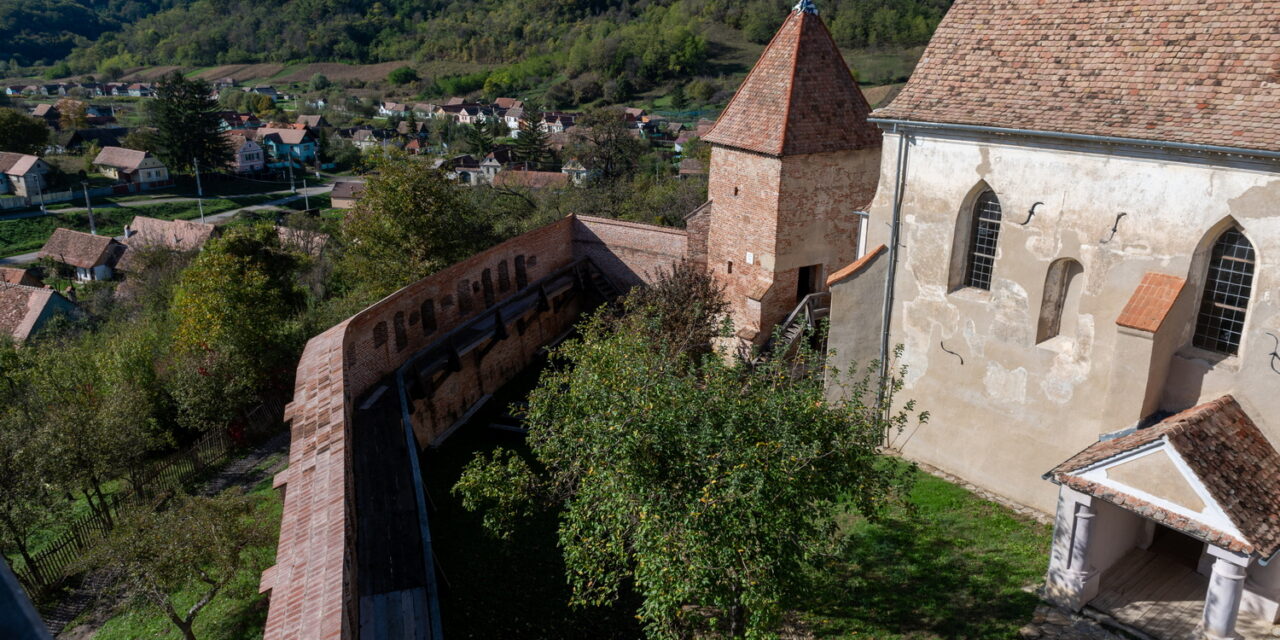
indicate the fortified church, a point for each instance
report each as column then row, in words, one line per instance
column 1067, row 219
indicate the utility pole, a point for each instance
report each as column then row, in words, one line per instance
column 40, row 190
column 306, row 201
column 292, row 187
column 199, row 188
column 93, row 228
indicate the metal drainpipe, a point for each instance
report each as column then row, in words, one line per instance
column 898, row 183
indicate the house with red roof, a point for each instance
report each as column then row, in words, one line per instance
column 22, row 174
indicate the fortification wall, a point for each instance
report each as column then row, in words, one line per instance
column 628, row 252
column 313, row 583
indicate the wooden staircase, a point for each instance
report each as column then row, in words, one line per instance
column 785, row 340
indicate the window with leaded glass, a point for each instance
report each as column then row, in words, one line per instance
column 1227, row 286
column 983, row 238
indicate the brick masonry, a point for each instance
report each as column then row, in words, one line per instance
column 313, row 584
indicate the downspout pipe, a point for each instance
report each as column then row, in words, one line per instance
column 899, row 182
column 1077, row 137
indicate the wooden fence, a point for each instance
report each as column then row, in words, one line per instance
column 54, row 563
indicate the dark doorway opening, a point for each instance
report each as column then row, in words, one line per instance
column 1177, row 546
column 810, row 281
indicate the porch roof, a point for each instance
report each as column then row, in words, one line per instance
column 1222, row 456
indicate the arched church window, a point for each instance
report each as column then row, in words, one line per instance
column 1227, row 287
column 983, row 238
column 1061, row 304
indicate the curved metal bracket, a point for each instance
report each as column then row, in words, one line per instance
column 1031, row 214
column 1275, row 352
column 944, row 348
column 1114, row 227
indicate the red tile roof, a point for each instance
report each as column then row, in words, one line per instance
column 1182, row 71
column 80, row 249
column 19, row 276
column 1225, row 450
column 21, row 308
column 799, row 98
column 1151, row 302
column 855, row 266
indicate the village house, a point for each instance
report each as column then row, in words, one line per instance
column 24, row 310
column 140, row 90
column 390, row 109
column 145, row 233
column 132, row 167
column 23, row 175
column 75, row 140
column 93, row 257
column 13, row 275
column 313, row 124
column 265, row 90
column 345, row 193
column 294, row 146
column 574, row 169
column 247, row 156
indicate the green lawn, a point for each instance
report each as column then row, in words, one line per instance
column 948, row 565
column 29, row 234
column 238, row 612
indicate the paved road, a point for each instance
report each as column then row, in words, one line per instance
column 27, row 258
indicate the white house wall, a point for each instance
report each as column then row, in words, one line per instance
column 1013, row 409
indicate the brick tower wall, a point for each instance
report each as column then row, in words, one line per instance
column 788, row 213
column 743, row 188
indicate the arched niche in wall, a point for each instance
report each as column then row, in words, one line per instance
column 974, row 243
column 1060, row 306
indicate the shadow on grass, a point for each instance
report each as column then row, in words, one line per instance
column 950, row 567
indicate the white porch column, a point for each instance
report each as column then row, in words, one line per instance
column 1226, row 587
column 1072, row 581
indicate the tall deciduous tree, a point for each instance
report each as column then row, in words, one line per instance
column 182, row 558
column 700, row 481
column 410, row 222
column 21, row 133
column 604, row 144
column 188, row 128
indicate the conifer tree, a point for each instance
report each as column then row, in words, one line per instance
column 531, row 144
column 188, row 129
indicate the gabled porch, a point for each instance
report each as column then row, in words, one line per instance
column 1172, row 528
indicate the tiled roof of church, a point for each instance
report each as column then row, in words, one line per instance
column 799, row 98
column 1227, row 453
column 1181, row 71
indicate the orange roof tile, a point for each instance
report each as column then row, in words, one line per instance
column 857, row 265
column 799, row 98
column 1151, row 302
column 1184, row 71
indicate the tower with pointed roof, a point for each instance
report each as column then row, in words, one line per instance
column 793, row 159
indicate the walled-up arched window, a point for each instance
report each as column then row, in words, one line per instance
column 1227, row 287
column 1061, row 303
column 983, row 238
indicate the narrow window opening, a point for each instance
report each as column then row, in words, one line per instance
column 1060, row 306
column 729, row 268
column 983, row 239
column 1227, row 288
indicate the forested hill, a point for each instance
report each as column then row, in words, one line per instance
column 647, row 38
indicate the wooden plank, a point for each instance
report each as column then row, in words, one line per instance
column 366, row 617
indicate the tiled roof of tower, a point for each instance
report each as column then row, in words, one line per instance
column 1227, row 453
column 1182, row 71
column 799, row 98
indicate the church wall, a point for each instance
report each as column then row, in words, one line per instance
column 1006, row 409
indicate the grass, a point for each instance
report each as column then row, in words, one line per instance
column 23, row 235
column 947, row 565
column 238, row 612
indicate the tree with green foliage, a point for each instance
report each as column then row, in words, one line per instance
column 603, row 143
column 402, row 75
column 531, row 144
column 231, row 331
column 188, row 127
column 24, row 498
column 21, row 133
column 410, row 222
column 703, row 483
column 182, row 557
column 319, row 82
column 480, row 139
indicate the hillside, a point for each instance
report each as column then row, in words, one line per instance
column 635, row 45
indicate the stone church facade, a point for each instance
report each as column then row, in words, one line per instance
column 1068, row 221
